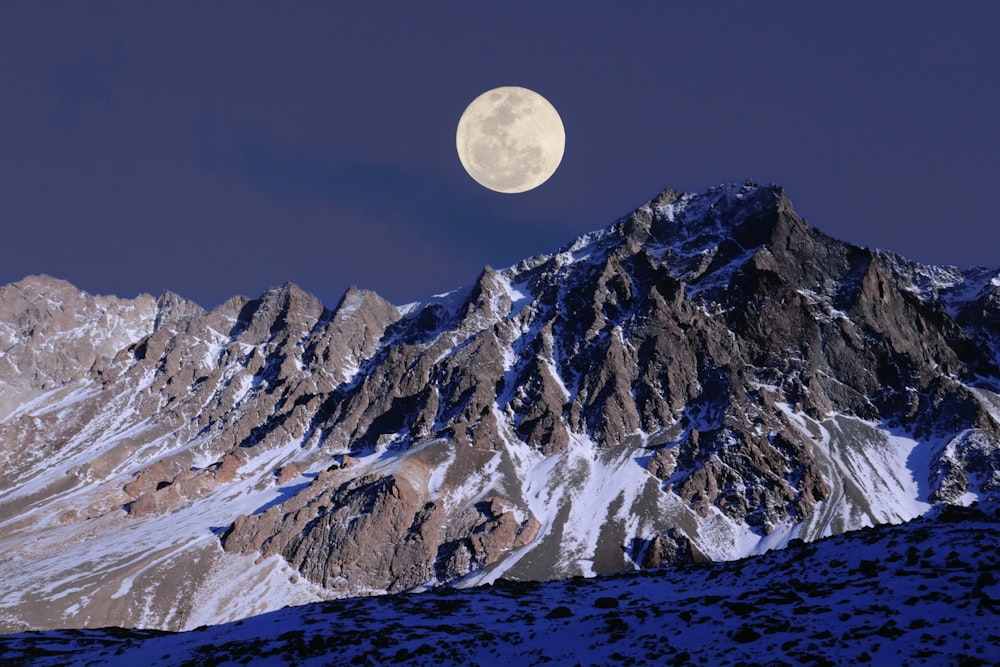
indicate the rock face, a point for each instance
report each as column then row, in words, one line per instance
column 706, row 378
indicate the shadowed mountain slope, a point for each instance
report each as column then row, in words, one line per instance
column 920, row 593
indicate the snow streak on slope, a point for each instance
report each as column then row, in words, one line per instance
column 156, row 571
column 66, row 519
column 869, row 466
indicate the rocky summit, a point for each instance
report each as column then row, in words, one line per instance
column 706, row 379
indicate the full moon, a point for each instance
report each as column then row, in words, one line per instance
column 510, row 139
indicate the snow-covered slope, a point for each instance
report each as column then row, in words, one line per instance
column 926, row 592
column 707, row 378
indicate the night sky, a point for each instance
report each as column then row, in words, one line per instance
column 216, row 149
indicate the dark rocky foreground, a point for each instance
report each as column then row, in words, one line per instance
column 923, row 593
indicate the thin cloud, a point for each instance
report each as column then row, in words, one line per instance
column 455, row 216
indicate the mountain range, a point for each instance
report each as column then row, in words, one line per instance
column 706, row 379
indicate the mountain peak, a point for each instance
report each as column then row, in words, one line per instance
column 720, row 209
column 708, row 377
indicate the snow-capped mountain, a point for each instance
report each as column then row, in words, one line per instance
column 706, row 379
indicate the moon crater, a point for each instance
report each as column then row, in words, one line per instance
column 510, row 139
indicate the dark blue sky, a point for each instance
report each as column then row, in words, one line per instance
column 220, row 148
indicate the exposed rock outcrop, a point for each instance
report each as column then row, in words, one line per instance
column 704, row 377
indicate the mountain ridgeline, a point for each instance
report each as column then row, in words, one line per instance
column 707, row 378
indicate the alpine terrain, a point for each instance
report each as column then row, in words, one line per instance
column 706, row 379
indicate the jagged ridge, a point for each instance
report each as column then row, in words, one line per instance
column 706, row 378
